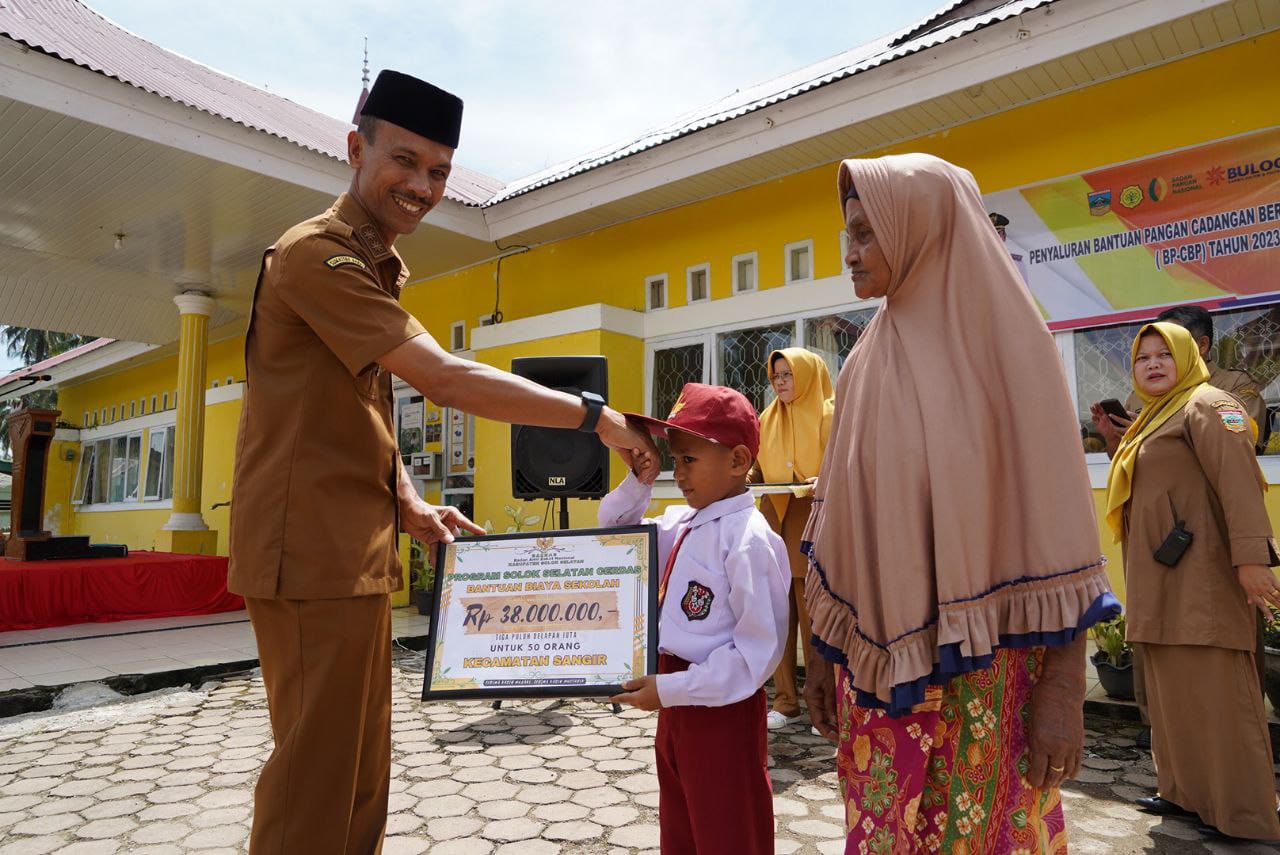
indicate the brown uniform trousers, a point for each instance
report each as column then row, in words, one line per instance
column 1191, row 623
column 786, row 699
column 314, row 529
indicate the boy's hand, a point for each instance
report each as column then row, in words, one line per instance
column 646, row 468
column 641, row 693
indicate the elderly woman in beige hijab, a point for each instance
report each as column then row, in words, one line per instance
column 954, row 556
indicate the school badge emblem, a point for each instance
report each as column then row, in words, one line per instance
column 696, row 604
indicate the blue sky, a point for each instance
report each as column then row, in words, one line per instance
column 543, row 80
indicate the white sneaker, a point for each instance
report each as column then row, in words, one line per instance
column 776, row 720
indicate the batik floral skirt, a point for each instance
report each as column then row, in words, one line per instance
column 948, row 776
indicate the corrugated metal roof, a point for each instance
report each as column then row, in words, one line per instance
column 72, row 32
column 744, row 101
column 65, row 356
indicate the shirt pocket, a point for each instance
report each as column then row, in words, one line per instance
column 367, row 383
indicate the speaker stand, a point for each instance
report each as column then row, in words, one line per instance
column 564, row 513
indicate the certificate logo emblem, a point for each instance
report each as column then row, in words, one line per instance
column 696, row 604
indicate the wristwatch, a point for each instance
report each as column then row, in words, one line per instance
column 594, row 405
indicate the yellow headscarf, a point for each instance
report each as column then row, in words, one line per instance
column 1192, row 374
column 793, row 436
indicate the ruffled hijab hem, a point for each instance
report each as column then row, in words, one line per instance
column 965, row 635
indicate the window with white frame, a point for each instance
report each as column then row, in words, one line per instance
column 458, row 336
column 164, row 401
column 698, row 283
column 744, row 272
column 159, row 484
column 742, row 358
column 799, row 261
column 655, row 292
column 111, row 470
column 1244, row 340
column 154, row 401
column 86, row 419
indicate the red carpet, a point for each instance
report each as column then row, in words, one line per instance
column 36, row 594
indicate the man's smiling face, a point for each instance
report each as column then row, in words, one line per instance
column 400, row 176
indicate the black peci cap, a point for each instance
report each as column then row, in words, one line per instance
column 998, row 220
column 416, row 106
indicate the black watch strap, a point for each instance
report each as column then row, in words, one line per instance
column 595, row 404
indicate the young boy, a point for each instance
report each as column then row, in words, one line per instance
column 722, row 621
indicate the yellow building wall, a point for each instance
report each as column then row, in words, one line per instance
column 1176, row 105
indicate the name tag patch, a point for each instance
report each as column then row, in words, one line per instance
column 696, row 603
column 339, row 260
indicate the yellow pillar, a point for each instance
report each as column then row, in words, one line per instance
column 186, row 530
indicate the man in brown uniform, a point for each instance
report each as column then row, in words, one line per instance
column 319, row 493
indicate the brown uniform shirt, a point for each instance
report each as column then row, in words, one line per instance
column 1199, row 464
column 314, row 512
column 1242, row 384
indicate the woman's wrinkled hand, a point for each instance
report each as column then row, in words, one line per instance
column 1260, row 587
column 1055, row 738
column 820, row 697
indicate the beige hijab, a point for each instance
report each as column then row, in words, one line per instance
column 954, row 506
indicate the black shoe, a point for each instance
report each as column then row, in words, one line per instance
column 1144, row 739
column 1161, row 807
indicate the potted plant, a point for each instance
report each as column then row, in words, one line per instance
column 1114, row 659
column 1271, row 638
column 421, row 575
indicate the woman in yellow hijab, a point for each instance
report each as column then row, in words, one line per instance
column 1184, row 496
column 793, row 438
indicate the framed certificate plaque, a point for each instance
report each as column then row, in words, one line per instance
column 543, row 614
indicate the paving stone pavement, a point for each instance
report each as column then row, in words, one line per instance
column 174, row 772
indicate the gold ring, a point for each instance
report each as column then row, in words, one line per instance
column 1057, row 768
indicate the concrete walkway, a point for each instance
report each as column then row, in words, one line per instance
column 173, row 773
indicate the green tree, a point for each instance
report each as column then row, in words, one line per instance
column 30, row 346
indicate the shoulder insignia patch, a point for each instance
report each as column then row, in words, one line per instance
column 1233, row 418
column 373, row 241
column 339, row 260
column 696, row 603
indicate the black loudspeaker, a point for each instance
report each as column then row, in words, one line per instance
column 551, row 463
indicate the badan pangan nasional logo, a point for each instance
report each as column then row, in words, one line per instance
column 1100, row 202
column 1157, row 189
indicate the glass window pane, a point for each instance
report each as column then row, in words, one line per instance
column 742, row 355
column 155, row 462
column 83, row 490
column 800, row 263
column 672, row 368
column 698, row 285
column 166, row 483
column 746, row 271
column 656, row 295
column 1249, row 340
column 101, row 470
column 119, row 463
column 133, row 467
column 833, row 336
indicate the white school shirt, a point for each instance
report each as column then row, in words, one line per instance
column 726, row 605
